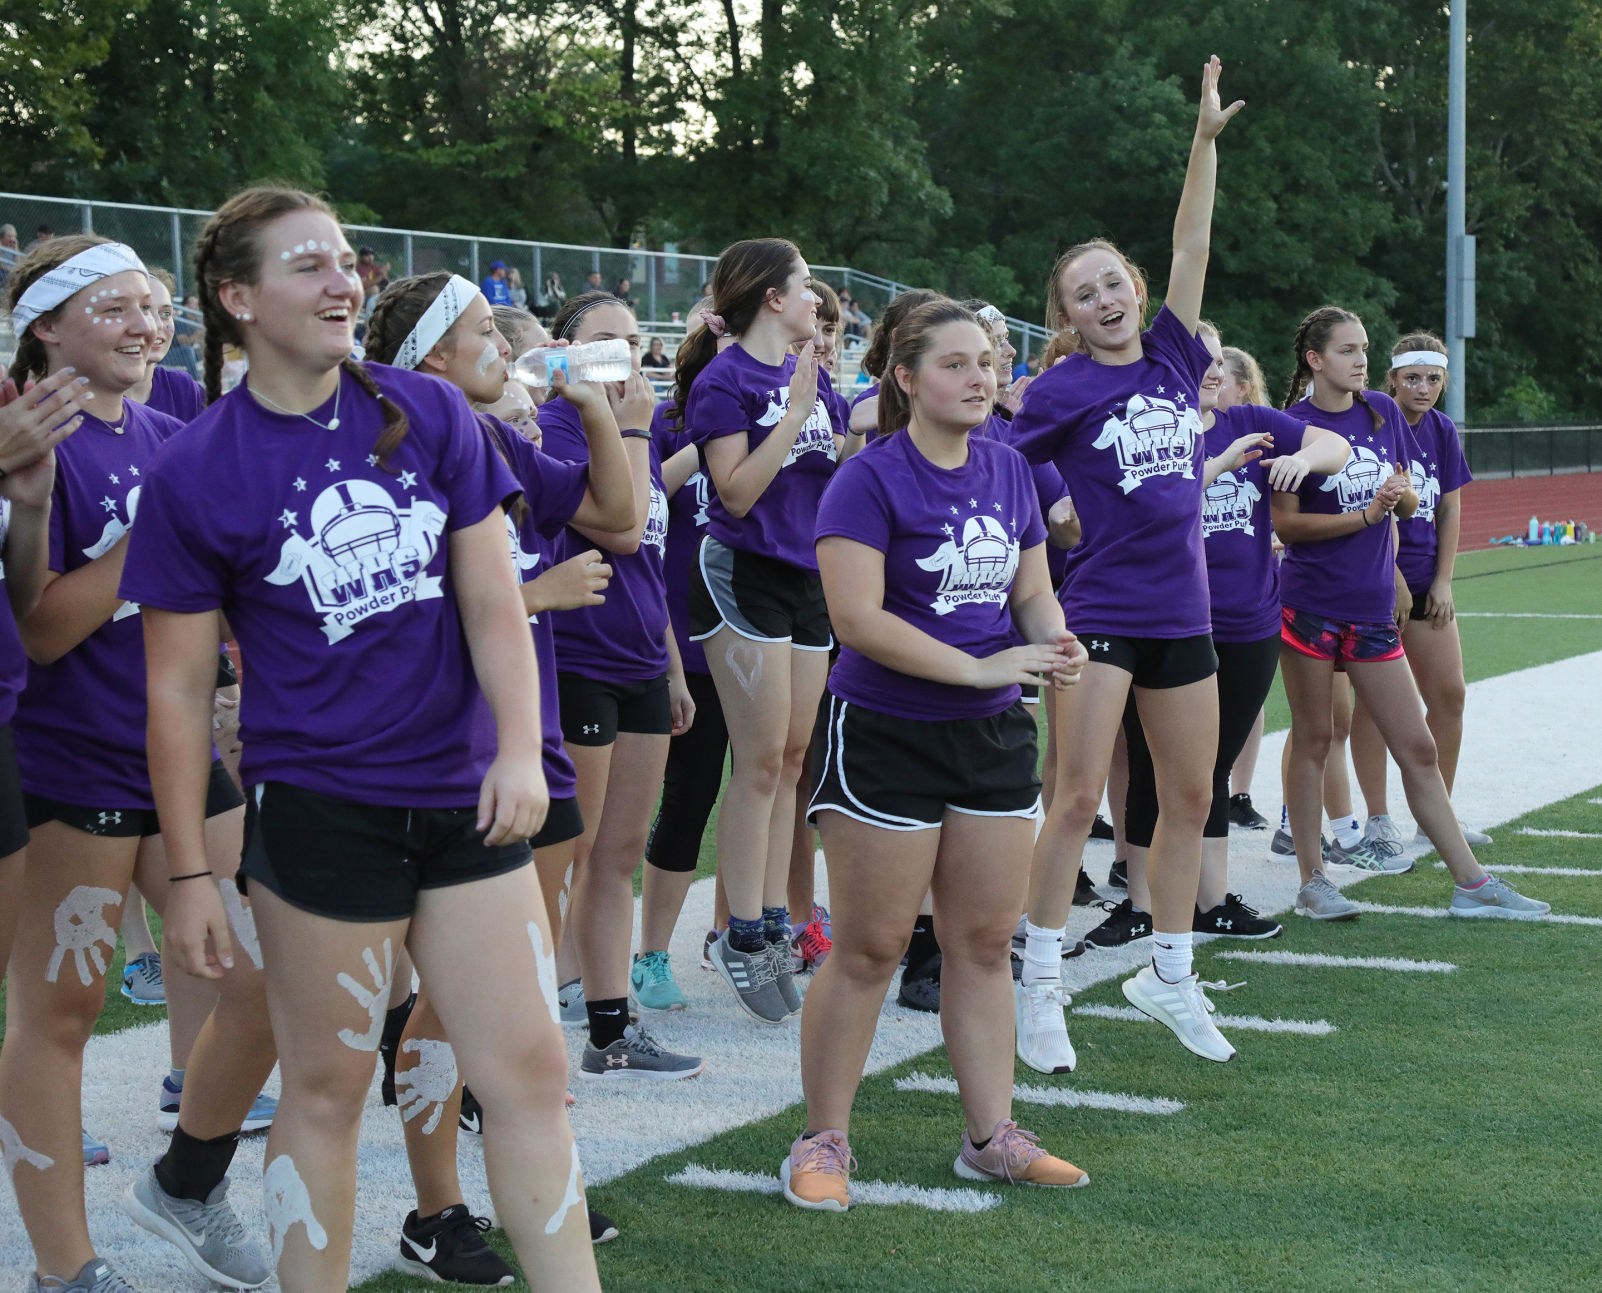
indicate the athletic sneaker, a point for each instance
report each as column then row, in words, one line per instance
column 706, row 950
column 1118, row 874
column 1042, row 1027
column 1232, row 918
column 1124, row 924
column 94, row 1153
column 1318, row 899
column 208, row 1233
column 752, row 976
column 784, row 975
column 1283, row 846
column 1244, row 815
column 920, row 991
column 602, row 1228
column 570, row 1003
column 1382, row 829
column 1014, row 1155
column 95, row 1276
column 1496, row 898
column 1379, row 856
column 1471, row 837
column 1101, row 828
column 635, row 1056
column 450, row 1248
column 1184, row 1008
column 652, row 985
column 816, row 1173
column 260, row 1117
column 811, row 944
column 1084, row 892
column 471, row 1118
column 141, row 981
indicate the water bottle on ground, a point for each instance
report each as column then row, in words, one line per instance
column 594, row 361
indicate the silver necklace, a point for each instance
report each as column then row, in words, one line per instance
column 331, row 425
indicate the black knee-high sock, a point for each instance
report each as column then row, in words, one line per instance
column 191, row 1168
column 923, row 950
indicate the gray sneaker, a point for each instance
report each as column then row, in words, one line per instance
column 1473, row 838
column 1382, row 828
column 570, row 1001
column 784, row 975
column 209, row 1234
column 96, row 1276
column 1496, row 898
column 753, row 976
column 1379, row 856
column 636, row 1057
column 1318, row 899
column 1283, row 846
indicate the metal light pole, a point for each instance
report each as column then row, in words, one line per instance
column 1459, row 246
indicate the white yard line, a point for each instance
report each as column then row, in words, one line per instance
column 1319, row 960
column 1559, row 835
column 1504, row 868
column 1246, row 1023
column 1553, row 918
column 1523, row 615
column 878, row 1193
column 1059, row 1096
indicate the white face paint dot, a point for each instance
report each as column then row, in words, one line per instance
column 89, row 309
column 299, row 247
column 325, row 246
column 97, row 320
column 283, row 255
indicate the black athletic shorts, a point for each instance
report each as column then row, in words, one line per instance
column 222, row 796
column 758, row 597
column 1420, row 604
column 904, row 774
column 364, row 862
column 13, row 810
column 563, row 822
column 1155, row 663
column 594, row 712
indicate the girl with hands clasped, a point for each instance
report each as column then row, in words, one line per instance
column 1339, row 595
column 932, row 549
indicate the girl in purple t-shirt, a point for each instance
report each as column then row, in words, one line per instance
column 167, row 390
column 763, row 422
column 1426, row 556
column 1339, row 595
column 1121, row 421
column 349, row 521
column 932, row 549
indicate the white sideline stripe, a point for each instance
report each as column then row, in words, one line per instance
column 1522, row 615
column 881, row 1193
column 1504, row 869
column 1319, row 960
column 1594, row 801
column 1065, row 1097
column 1551, row 918
column 1559, row 835
column 1247, row 1023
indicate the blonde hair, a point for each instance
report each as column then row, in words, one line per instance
column 1057, row 308
column 1242, row 368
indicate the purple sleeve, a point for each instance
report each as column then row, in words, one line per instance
column 1168, row 340
column 714, row 410
column 1259, row 419
column 1034, row 532
column 854, row 506
column 1454, row 466
column 552, row 488
column 167, row 565
column 1037, row 430
column 472, row 476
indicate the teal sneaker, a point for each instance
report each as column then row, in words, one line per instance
column 651, row 983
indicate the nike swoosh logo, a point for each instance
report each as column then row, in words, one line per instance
column 424, row 1255
column 468, row 1123
column 609, row 1013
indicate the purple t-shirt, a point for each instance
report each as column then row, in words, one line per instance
column 1242, row 574
column 333, row 575
column 625, row 638
column 1350, row 578
column 687, row 518
column 13, row 660
column 80, row 722
column 1438, row 467
column 738, row 395
column 951, row 541
column 1127, row 439
column 553, row 491
column 177, row 394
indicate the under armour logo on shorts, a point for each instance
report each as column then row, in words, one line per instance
column 591, row 729
column 1100, row 644
column 110, row 819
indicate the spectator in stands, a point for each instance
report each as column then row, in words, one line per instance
column 551, row 297
column 42, row 234
column 593, row 282
column 495, row 289
column 514, row 285
column 188, row 336
column 375, row 277
column 656, row 356
column 622, row 292
column 852, row 318
column 9, row 251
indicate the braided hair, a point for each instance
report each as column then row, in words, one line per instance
column 1314, row 334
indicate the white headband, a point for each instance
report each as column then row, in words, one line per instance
column 1408, row 358
column 70, row 277
column 443, row 311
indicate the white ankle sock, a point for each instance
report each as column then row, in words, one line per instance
column 1042, row 954
column 1348, row 834
column 1170, row 956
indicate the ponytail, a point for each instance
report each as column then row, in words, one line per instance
column 908, row 344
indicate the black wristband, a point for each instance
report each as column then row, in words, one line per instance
column 193, row 875
column 637, row 435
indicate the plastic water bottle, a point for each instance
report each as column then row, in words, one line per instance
column 594, row 361
column 1535, row 530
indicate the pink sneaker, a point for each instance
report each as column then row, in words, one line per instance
column 1014, row 1156
column 812, row 944
column 816, row 1173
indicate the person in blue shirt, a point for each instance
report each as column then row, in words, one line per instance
column 494, row 287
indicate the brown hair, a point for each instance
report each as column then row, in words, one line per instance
column 516, row 325
column 31, row 359
column 875, row 361
column 1314, row 334
column 1062, row 344
column 1057, row 308
column 744, row 275
column 828, row 302
column 396, row 312
column 567, row 317
column 1412, row 341
column 910, row 342
column 1242, row 368
column 165, row 279
column 229, row 251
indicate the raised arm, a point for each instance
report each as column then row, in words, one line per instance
column 742, row 473
column 1193, row 224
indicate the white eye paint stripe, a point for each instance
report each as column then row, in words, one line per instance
column 70, row 277
column 13, row 1153
column 427, row 1084
column 374, row 1003
column 80, row 929
column 288, row 1202
column 487, row 357
column 443, row 310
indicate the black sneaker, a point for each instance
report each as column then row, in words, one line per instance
column 602, row 1229
column 921, row 990
column 451, row 1247
column 394, row 1026
column 1123, row 925
column 1242, row 814
column 1084, row 892
column 1118, row 875
column 1234, row 919
column 471, row 1117
column 1101, row 828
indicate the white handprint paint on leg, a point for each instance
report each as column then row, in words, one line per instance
column 574, row 1195
column 431, row 1081
column 242, row 920
column 373, row 1002
column 287, row 1202
column 14, row 1153
column 545, row 967
column 81, row 928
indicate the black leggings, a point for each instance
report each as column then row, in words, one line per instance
column 1245, row 673
column 691, row 784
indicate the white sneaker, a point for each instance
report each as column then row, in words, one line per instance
column 1042, row 1027
column 1184, row 1008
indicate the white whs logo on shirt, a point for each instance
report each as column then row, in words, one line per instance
column 978, row 568
column 1358, row 481
column 522, row 562
column 816, row 436
column 365, row 556
column 656, row 523
column 1228, row 504
column 1154, row 437
column 115, row 528
column 1428, row 489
